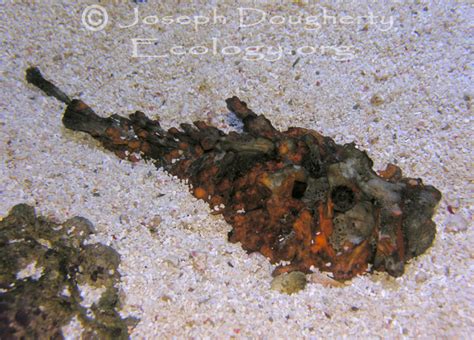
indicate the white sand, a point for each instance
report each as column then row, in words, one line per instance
column 185, row 279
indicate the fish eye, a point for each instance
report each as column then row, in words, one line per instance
column 343, row 198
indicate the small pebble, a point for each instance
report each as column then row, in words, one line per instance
column 289, row 283
column 376, row 100
column 455, row 223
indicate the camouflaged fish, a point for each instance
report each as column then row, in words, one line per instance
column 295, row 196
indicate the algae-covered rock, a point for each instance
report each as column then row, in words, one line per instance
column 41, row 265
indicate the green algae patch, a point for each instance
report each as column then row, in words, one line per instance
column 43, row 264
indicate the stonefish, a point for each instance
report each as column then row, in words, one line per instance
column 295, row 196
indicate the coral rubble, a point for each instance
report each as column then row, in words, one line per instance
column 42, row 266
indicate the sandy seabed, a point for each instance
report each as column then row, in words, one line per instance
column 394, row 77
